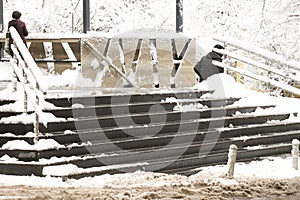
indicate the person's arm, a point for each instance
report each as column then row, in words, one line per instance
column 25, row 31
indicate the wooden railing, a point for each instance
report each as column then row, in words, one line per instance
column 54, row 52
column 29, row 76
column 263, row 61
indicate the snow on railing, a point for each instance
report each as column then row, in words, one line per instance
column 260, row 53
column 31, row 74
column 109, row 62
column 32, row 66
column 264, row 79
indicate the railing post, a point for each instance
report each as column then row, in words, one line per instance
column 1, row 26
column 25, row 94
column 231, row 159
column 37, row 118
column 14, row 82
column 295, row 153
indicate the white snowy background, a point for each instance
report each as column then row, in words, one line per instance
column 271, row 24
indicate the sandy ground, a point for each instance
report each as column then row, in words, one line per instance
column 184, row 188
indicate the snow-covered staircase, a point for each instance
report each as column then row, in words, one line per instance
column 151, row 132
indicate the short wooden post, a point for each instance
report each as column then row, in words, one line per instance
column 295, row 153
column 231, row 159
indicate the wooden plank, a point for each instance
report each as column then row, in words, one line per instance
column 59, row 53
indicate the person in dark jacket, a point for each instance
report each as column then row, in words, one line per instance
column 19, row 26
column 205, row 68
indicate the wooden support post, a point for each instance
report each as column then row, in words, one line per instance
column 136, row 56
column 231, row 159
column 177, row 60
column 295, row 153
column 98, row 54
column 122, row 59
column 154, row 62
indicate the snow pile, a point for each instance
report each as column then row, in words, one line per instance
column 18, row 106
column 69, row 169
column 69, row 78
column 222, row 85
column 6, row 158
column 42, row 144
column 272, row 167
column 25, row 118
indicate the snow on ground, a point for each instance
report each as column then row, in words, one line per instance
column 39, row 146
column 266, row 25
column 278, row 168
column 269, row 168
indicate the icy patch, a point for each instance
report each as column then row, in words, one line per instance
column 39, row 146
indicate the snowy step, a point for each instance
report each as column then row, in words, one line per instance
column 138, row 107
column 105, row 110
column 122, row 121
column 177, row 139
column 161, row 141
column 189, row 165
column 125, row 98
column 118, row 135
column 177, row 164
column 4, row 102
column 187, row 152
column 190, row 146
column 174, row 165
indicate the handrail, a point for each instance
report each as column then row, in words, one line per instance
column 260, row 54
column 30, row 69
column 275, row 83
column 256, row 64
column 258, row 51
column 109, row 62
column 28, row 59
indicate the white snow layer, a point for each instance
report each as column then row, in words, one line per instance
column 42, row 144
